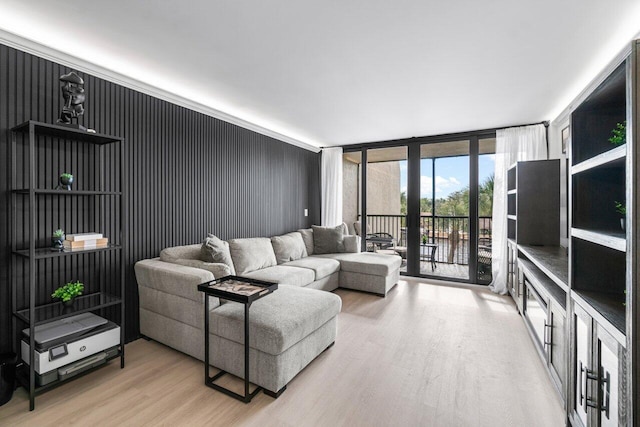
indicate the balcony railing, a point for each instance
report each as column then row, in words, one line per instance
column 450, row 233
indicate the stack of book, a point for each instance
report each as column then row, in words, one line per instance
column 84, row 241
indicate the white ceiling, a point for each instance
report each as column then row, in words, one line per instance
column 341, row 72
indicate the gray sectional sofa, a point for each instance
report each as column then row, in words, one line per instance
column 288, row 329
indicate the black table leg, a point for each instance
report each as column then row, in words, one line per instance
column 210, row 381
column 246, row 353
column 206, row 339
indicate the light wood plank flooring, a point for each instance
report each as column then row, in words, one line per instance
column 426, row 355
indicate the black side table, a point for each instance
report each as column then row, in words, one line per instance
column 245, row 291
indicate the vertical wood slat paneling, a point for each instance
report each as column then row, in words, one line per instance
column 186, row 174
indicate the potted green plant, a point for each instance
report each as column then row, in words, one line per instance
column 68, row 292
column 424, row 239
column 619, row 134
column 57, row 238
column 66, row 179
column 622, row 210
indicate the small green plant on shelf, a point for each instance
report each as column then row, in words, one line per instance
column 619, row 134
column 57, row 239
column 424, row 239
column 68, row 292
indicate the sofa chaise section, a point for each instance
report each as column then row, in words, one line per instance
column 367, row 271
column 287, row 330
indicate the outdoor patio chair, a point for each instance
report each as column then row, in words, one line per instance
column 484, row 256
column 375, row 241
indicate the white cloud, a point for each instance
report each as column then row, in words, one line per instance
column 443, row 185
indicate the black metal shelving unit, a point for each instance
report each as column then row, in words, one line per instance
column 32, row 204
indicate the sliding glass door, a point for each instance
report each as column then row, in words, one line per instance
column 428, row 201
column 444, row 210
column 486, row 169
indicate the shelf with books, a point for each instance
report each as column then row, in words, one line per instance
column 41, row 253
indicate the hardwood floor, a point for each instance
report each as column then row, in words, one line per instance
column 426, row 355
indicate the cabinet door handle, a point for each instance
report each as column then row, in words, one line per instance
column 605, row 387
column 588, row 375
column 580, row 394
column 548, row 337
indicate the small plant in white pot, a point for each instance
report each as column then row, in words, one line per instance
column 57, row 239
column 65, row 179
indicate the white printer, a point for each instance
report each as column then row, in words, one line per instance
column 86, row 339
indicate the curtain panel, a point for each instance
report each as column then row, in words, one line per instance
column 331, row 183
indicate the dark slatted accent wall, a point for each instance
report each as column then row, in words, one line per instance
column 186, row 173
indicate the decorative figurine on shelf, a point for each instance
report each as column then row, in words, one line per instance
column 68, row 292
column 66, row 179
column 73, row 94
column 57, row 239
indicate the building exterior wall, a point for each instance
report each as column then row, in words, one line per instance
column 383, row 195
column 350, row 193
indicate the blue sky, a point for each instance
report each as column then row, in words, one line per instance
column 452, row 174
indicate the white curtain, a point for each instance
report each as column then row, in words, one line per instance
column 331, row 187
column 512, row 145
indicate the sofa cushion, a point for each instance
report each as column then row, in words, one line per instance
column 251, row 254
column 277, row 321
column 286, row 275
column 322, row 267
column 366, row 262
column 307, row 236
column 288, row 247
column 215, row 250
column 327, row 240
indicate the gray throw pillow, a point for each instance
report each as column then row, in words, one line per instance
column 307, row 237
column 327, row 240
column 215, row 250
column 252, row 254
column 288, row 247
